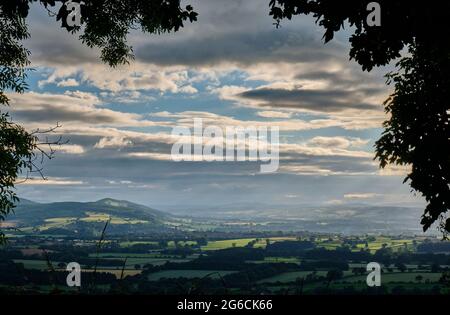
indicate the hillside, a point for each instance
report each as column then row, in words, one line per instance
column 88, row 217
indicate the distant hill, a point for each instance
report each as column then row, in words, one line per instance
column 88, row 218
column 29, row 210
column 73, row 217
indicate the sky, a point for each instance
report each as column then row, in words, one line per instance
column 231, row 68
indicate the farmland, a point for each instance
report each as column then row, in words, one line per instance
column 266, row 263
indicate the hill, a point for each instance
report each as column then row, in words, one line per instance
column 88, row 217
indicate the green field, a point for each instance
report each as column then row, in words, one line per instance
column 173, row 274
column 152, row 261
column 42, row 265
column 398, row 277
column 56, row 223
column 141, row 259
column 215, row 245
column 373, row 246
column 61, row 222
column 131, row 243
column 241, row 242
column 35, row 264
column 290, row 276
column 123, row 255
column 102, row 217
column 116, row 272
column 292, row 260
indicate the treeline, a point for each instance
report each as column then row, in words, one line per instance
column 434, row 247
column 15, row 274
column 56, row 258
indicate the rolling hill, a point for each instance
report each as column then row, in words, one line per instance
column 88, row 217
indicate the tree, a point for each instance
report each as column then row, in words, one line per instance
column 400, row 266
column 417, row 133
column 358, row 271
column 435, row 268
column 333, row 275
column 202, row 241
column 106, row 24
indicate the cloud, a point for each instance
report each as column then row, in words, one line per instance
column 186, row 119
column 128, row 78
column 69, row 108
column 231, row 68
column 52, row 181
column 274, row 114
column 359, row 196
column 68, row 83
column 242, row 49
column 395, row 170
column 316, row 170
column 70, row 149
column 312, row 100
column 113, row 142
column 351, row 109
column 336, row 142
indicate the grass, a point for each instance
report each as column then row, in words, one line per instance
column 173, row 274
column 293, row 260
column 102, row 217
column 241, row 242
column 56, row 223
column 123, row 255
column 330, row 245
column 152, row 261
column 386, row 278
column 290, row 276
column 116, row 272
column 373, row 246
column 215, row 245
column 34, row 263
column 131, row 243
column 399, row 277
column 141, row 259
column 61, row 222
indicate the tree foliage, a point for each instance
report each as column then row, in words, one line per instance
column 417, row 131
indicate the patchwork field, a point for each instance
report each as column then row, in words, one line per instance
column 241, row 242
column 102, row 217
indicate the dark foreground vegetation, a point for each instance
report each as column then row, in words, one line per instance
column 250, row 264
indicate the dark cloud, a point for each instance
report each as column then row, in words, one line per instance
column 66, row 115
column 241, row 48
column 316, row 100
column 227, row 31
column 349, row 79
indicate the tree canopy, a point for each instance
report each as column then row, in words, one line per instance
column 417, row 132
